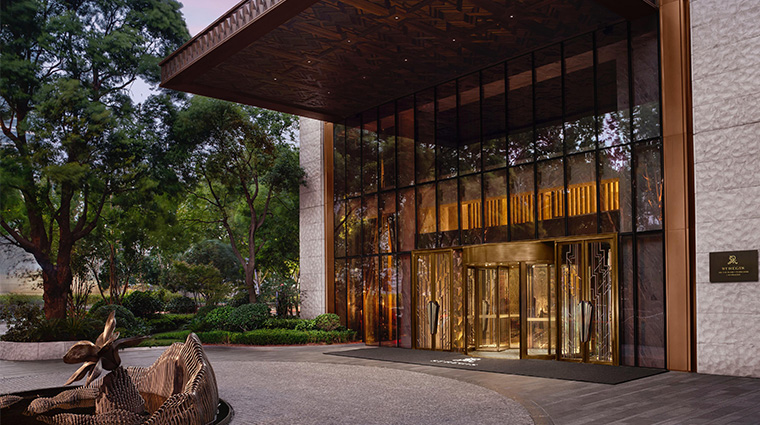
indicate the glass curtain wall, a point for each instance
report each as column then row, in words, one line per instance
column 563, row 141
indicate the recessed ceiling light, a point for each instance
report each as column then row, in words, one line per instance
column 453, row 39
column 395, row 17
column 511, row 16
column 308, row 61
column 348, row 41
column 275, row 79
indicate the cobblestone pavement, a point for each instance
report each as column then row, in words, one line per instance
column 302, row 385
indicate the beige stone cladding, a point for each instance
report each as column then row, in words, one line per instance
column 726, row 99
column 312, row 219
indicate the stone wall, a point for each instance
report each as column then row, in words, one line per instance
column 312, row 220
column 726, row 96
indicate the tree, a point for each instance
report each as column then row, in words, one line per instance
column 70, row 141
column 245, row 169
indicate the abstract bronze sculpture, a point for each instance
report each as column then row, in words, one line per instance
column 179, row 388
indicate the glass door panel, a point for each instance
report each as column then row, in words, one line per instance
column 587, row 276
column 540, row 310
column 601, row 297
column 443, row 297
column 432, row 283
column 471, row 337
column 513, row 302
column 571, row 291
column 487, row 306
column 423, row 295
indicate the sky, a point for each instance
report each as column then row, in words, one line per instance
column 198, row 14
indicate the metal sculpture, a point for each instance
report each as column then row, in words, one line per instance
column 179, row 388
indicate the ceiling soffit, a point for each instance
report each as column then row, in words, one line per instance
column 336, row 58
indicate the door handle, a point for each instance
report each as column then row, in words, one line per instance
column 587, row 310
column 433, row 308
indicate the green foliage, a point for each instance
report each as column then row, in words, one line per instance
column 239, row 299
column 305, row 325
column 281, row 323
column 219, row 318
column 283, row 291
column 219, row 255
column 168, row 322
column 205, row 310
column 143, row 303
column 290, row 337
column 126, row 322
column 75, row 140
column 327, row 322
column 22, row 319
column 214, row 337
column 181, row 305
column 248, row 317
column 179, row 335
column 27, row 323
column 99, row 303
column 204, row 279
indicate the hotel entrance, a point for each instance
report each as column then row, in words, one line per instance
column 541, row 300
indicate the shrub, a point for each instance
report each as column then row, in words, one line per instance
column 181, row 305
column 289, row 337
column 219, row 318
column 99, row 303
column 23, row 319
column 126, row 322
column 169, row 322
column 305, row 325
column 327, row 322
column 178, row 335
column 143, row 304
column 205, row 310
column 248, row 317
column 240, row 299
column 214, row 337
column 278, row 323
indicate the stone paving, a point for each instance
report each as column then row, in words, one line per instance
column 302, row 385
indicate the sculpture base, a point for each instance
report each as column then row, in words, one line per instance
column 16, row 413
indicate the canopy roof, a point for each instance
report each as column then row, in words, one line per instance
column 331, row 59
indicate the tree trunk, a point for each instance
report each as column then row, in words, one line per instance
column 250, row 283
column 56, row 282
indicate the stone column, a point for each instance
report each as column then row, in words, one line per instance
column 312, row 219
column 726, row 87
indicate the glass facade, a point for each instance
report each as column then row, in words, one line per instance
column 564, row 141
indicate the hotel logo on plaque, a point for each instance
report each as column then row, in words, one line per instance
column 733, row 266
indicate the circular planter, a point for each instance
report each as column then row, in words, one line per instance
column 31, row 351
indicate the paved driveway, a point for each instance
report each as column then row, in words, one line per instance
column 302, row 385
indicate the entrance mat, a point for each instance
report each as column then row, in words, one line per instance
column 599, row 374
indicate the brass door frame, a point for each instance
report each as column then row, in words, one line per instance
column 524, row 268
column 493, row 266
column 415, row 256
column 584, row 267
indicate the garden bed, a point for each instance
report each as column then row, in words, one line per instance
column 256, row 337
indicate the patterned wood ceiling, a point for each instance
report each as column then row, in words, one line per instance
column 337, row 58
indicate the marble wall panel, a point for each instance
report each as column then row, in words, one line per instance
column 726, row 83
column 311, row 221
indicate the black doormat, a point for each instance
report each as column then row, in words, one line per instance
column 600, row 374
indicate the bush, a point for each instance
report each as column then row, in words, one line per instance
column 248, row 317
column 278, row 323
column 290, row 337
column 214, row 337
column 305, row 325
column 23, row 319
column 327, row 322
column 240, row 299
column 179, row 335
column 126, row 322
column 168, row 322
column 99, row 303
column 143, row 304
column 205, row 310
column 219, row 318
column 181, row 305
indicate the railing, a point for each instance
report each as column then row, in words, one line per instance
column 215, row 34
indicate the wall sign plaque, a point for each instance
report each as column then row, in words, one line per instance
column 733, row 266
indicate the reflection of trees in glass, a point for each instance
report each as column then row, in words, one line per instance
column 649, row 187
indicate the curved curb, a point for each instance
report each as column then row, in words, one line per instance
column 33, row 351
